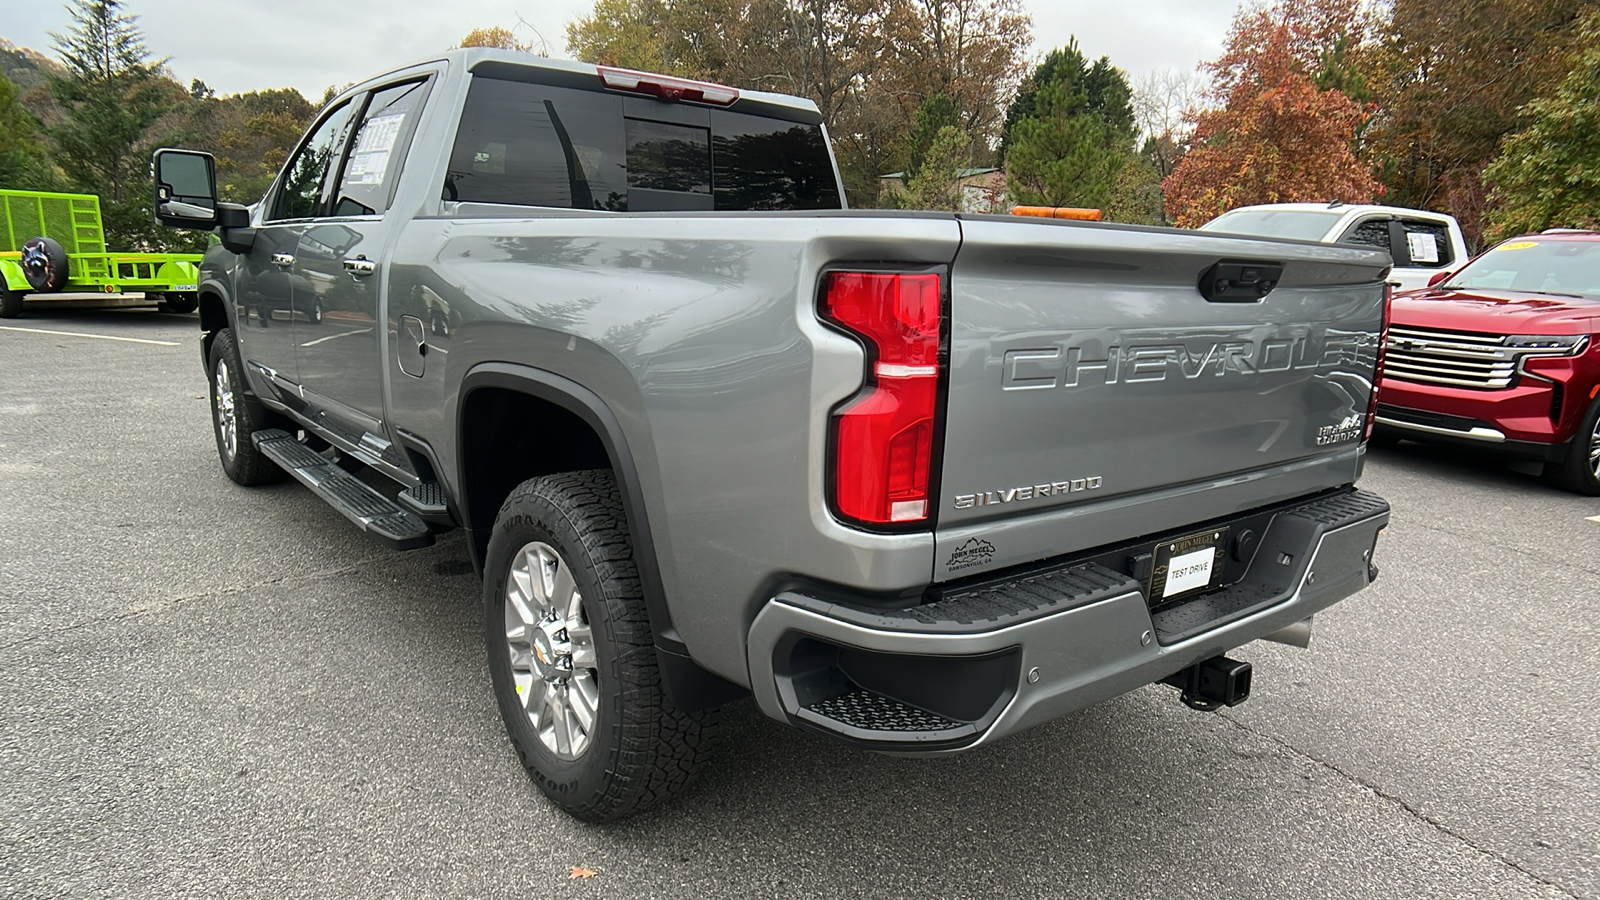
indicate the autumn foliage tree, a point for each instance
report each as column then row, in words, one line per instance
column 869, row 65
column 1548, row 174
column 1449, row 77
column 1275, row 135
column 494, row 36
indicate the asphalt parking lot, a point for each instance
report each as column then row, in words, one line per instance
column 225, row 692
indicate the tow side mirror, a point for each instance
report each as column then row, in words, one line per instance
column 1439, row 277
column 185, row 189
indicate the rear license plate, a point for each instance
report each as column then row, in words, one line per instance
column 1187, row 565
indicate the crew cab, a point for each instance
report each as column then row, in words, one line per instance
column 1501, row 357
column 1422, row 243
column 912, row 481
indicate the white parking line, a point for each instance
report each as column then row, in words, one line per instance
column 103, row 337
column 1594, row 518
column 340, row 335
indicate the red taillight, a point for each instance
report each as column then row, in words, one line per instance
column 667, row 87
column 882, row 453
column 1377, row 372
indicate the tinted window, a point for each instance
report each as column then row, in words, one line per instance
column 1428, row 243
column 1306, row 225
column 300, row 196
column 375, row 159
column 542, row 146
column 532, row 145
column 765, row 163
column 1371, row 233
column 663, row 157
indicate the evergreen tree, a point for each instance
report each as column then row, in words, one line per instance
column 1104, row 92
column 934, row 115
column 1072, row 148
column 937, row 184
column 110, row 97
column 23, row 165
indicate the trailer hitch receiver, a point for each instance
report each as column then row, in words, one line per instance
column 1212, row 684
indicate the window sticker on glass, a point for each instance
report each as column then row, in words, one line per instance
column 371, row 157
column 1424, row 246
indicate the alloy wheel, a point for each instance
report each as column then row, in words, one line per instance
column 552, row 650
column 1594, row 449
column 227, row 416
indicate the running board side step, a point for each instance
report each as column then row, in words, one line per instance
column 427, row 501
column 370, row 510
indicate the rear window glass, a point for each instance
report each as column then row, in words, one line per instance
column 1305, row 225
column 534, row 145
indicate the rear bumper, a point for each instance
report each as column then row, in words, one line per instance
column 1009, row 655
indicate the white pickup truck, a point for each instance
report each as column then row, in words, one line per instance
column 1423, row 244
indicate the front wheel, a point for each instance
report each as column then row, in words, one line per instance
column 1580, row 471
column 571, row 655
column 235, row 417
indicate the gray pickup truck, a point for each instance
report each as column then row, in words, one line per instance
column 913, row 481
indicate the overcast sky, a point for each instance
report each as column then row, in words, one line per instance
column 243, row 45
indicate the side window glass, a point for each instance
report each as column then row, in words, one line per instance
column 1429, row 244
column 1371, row 233
column 375, row 159
column 300, row 196
column 533, row 145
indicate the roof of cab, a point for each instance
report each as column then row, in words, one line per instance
column 471, row 57
column 1347, row 209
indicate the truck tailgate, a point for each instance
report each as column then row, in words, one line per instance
column 1095, row 395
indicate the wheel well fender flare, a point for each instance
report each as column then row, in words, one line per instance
column 593, row 411
column 690, row 686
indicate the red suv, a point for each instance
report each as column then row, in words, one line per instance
column 1503, row 355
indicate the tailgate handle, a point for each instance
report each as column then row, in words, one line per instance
column 1239, row 281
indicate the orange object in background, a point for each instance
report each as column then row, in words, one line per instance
column 1057, row 212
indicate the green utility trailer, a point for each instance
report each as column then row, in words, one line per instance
column 53, row 248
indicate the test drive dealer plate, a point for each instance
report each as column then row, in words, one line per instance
column 1187, row 565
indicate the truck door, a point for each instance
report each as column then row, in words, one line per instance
column 265, row 290
column 340, row 276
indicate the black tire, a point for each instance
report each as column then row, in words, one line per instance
column 1580, row 471
column 179, row 303
column 641, row 749
column 241, row 460
column 44, row 264
column 10, row 302
column 1384, row 439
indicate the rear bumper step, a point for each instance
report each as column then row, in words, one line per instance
column 358, row 501
column 987, row 660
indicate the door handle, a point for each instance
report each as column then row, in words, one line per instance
column 360, row 266
column 283, row 259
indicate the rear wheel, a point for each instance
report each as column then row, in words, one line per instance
column 179, row 303
column 571, row 654
column 235, row 417
column 1580, row 471
column 10, row 302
